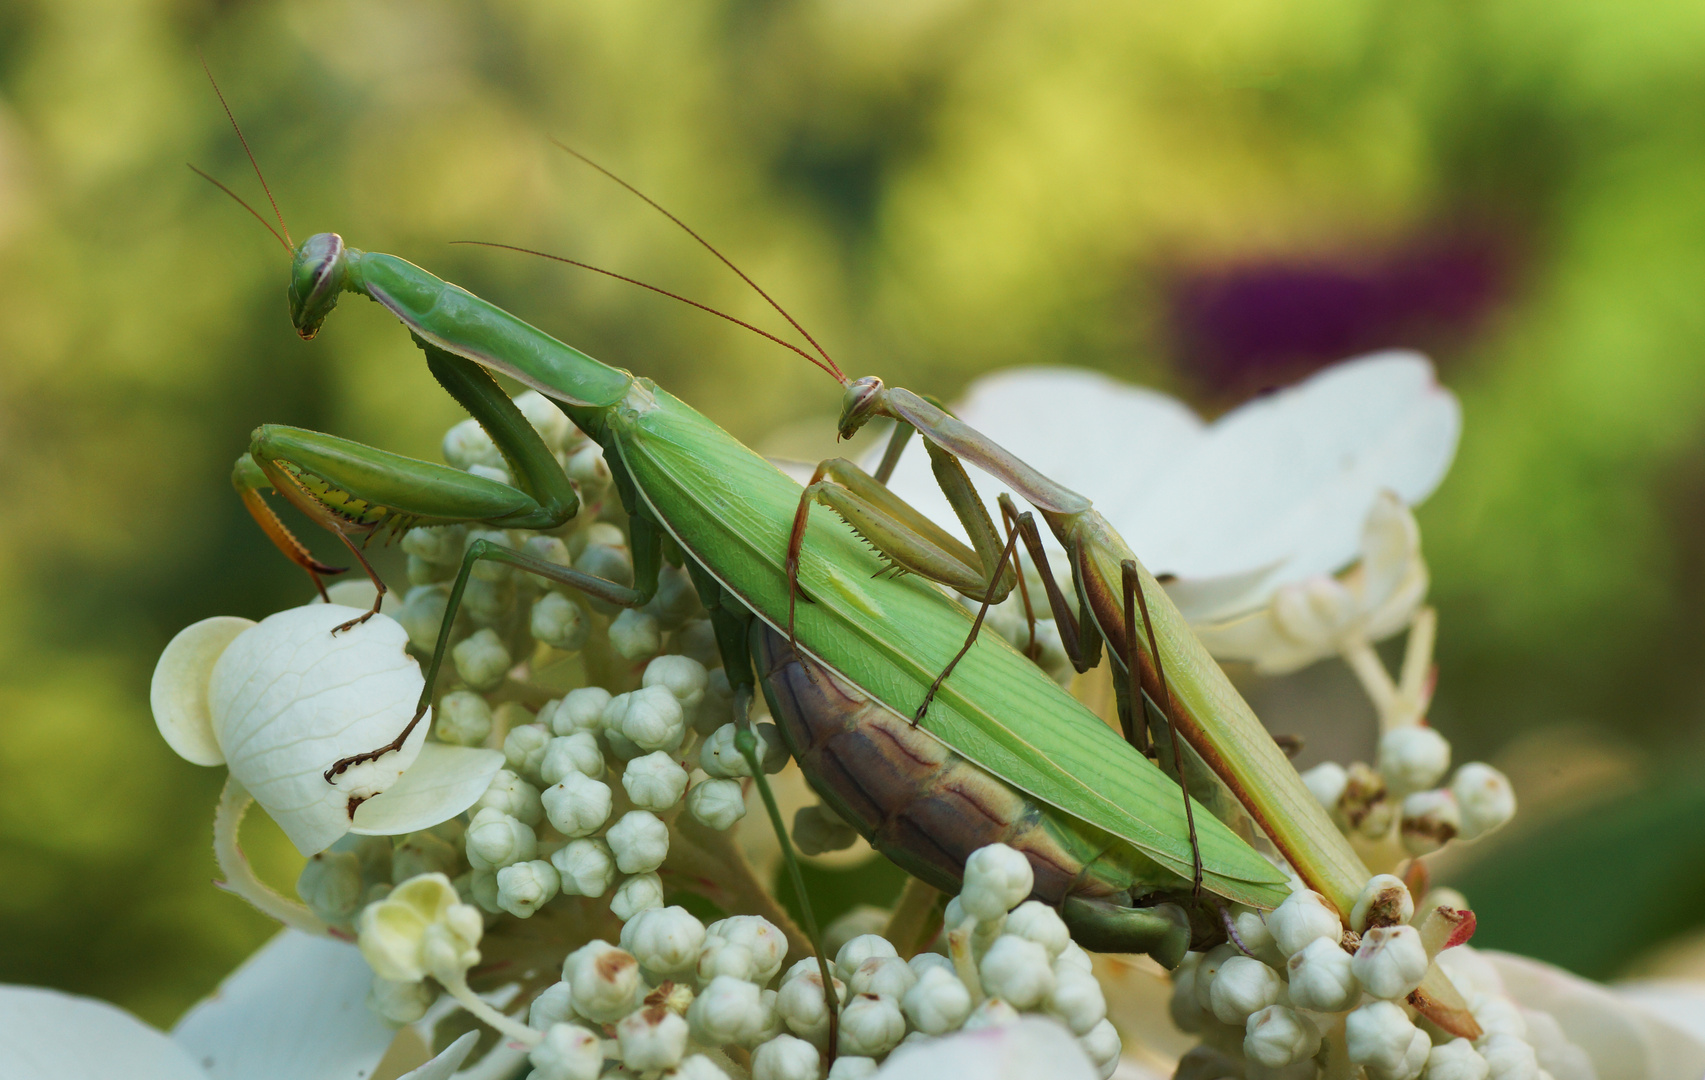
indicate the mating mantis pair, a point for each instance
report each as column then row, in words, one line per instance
column 1108, row 817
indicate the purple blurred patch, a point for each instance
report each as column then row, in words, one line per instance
column 1241, row 328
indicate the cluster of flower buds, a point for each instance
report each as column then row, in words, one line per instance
column 678, row 995
column 1405, row 791
column 1294, row 995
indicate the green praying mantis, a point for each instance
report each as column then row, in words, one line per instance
column 1102, row 822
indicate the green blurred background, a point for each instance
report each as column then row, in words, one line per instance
column 1211, row 197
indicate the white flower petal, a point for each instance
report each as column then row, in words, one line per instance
column 178, row 692
column 295, row 1010
column 1625, row 1040
column 448, row 1060
column 49, row 1035
column 442, row 782
column 1030, row 1048
column 289, row 698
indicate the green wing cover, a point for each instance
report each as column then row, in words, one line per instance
column 890, row 636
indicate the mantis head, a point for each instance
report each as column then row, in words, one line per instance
column 862, row 401
column 317, row 276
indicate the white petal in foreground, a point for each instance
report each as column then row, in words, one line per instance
column 449, row 1060
column 288, row 699
column 1273, row 492
column 48, row 1035
column 1030, row 1048
column 442, row 782
column 178, row 692
column 295, row 1010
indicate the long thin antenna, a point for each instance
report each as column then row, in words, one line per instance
column 673, row 296
column 833, row 368
column 245, row 206
column 229, row 115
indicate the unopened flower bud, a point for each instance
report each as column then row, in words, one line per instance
column 1508, row 1058
column 1103, row 1047
column 666, row 941
column 717, row 804
column 1378, row 1035
column 554, row 1005
column 997, row 878
column 442, row 545
column 1077, row 1000
column 763, row 938
column 1326, row 782
column 1040, row 923
column 524, row 749
column 817, row 830
column 1486, row 800
column 585, row 867
column 605, row 981
column 640, row 842
column 1242, row 987
column 559, row 622
column 871, row 1025
column 938, row 1002
column 1456, row 1060
column 1321, row 977
column 1208, row 969
column 1277, row 1036
column 859, row 949
column 800, row 1004
column 650, row 718
column 423, row 853
column 1390, row 961
column 849, row 1067
column 1020, row 971
column 696, row 1067
column 651, row 1039
column 1074, row 956
column 655, row 781
column 587, row 468
column 580, row 710
column 525, row 886
column 1430, row 820
column 1385, row 901
column 682, row 676
column 463, row 719
column 636, row 635
column 512, row 795
column 546, row 417
column 488, row 603
column 330, row 884
column 400, row 1002
column 888, row 975
column 729, row 1010
column 636, row 894
column 571, row 753
column 786, row 1058
column 1301, row 918
column 468, row 444
column 422, row 615
column 495, row 839
column 1186, row 1011
column 577, row 805
column 1412, row 758
column 993, row 1012
column 567, row 1052
column 1365, row 805
column 719, row 757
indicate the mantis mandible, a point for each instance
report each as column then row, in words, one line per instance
column 689, row 486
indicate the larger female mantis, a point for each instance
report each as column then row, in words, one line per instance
column 1106, row 811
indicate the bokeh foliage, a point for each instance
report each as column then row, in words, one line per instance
column 936, row 187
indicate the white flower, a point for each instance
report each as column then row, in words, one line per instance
column 1303, row 917
column 577, row 805
column 871, row 1025
column 1412, row 758
column 1277, row 1036
column 1485, row 798
column 422, row 928
column 1390, row 961
column 717, row 804
column 1321, row 977
column 666, row 941
column 1320, row 616
column 655, row 781
column 636, row 894
column 651, row 1039
column 280, row 701
column 997, row 878
column 568, row 1052
column 1030, row 1048
column 938, row 1003
column 585, row 866
column 640, row 842
column 525, row 886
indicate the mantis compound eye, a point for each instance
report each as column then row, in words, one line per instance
column 860, row 404
column 316, row 279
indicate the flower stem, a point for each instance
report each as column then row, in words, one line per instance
column 457, row 987
column 240, row 877
column 959, row 949
column 1374, row 678
column 910, row 923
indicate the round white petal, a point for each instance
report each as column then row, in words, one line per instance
column 179, row 691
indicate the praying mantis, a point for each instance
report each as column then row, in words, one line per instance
column 1104, row 820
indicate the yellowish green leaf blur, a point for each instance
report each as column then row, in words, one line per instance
column 1210, row 197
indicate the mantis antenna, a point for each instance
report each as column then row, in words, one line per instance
column 282, row 233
